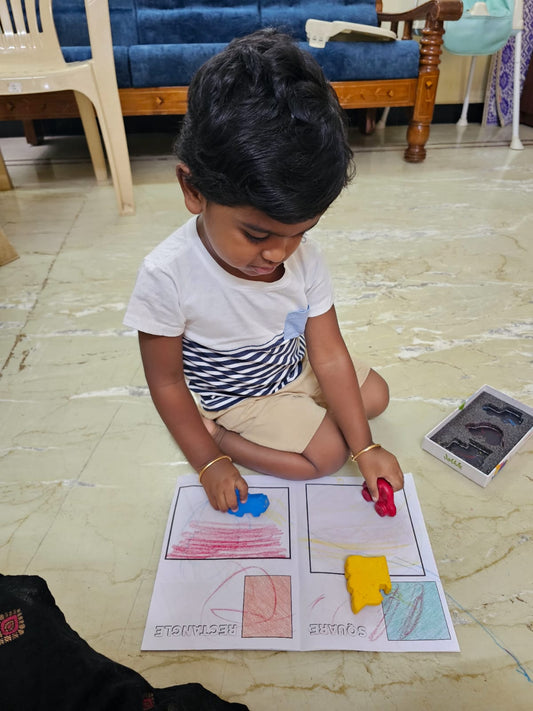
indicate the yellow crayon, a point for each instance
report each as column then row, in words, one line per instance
column 365, row 579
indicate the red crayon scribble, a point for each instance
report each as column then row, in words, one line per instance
column 222, row 612
column 380, row 628
column 201, row 541
column 315, row 602
column 415, row 613
column 267, row 610
column 395, row 602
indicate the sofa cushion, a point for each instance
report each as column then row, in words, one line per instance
column 71, row 23
column 175, row 64
column 175, row 21
column 168, row 64
column 291, row 16
column 367, row 61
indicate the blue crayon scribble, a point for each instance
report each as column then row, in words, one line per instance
column 521, row 669
column 413, row 611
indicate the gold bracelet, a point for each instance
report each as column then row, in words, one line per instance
column 213, row 461
column 354, row 457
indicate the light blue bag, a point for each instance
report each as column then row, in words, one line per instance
column 484, row 27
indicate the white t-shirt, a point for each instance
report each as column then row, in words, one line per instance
column 241, row 338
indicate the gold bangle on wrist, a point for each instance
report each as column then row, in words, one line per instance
column 213, row 461
column 354, row 457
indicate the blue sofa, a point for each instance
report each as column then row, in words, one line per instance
column 159, row 44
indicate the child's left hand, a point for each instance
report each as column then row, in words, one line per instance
column 378, row 463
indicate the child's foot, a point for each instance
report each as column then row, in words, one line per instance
column 217, row 432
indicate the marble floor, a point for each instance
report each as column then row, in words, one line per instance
column 433, row 269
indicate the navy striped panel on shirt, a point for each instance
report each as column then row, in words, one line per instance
column 224, row 378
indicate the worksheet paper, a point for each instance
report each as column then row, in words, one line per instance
column 277, row 581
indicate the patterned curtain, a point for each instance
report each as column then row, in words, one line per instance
column 498, row 108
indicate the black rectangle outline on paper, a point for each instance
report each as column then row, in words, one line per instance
column 422, row 574
column 251, row 489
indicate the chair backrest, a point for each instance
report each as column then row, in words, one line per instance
column 27, row 33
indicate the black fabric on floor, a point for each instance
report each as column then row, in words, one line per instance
column 46, row 666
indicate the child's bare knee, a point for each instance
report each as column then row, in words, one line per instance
column 335, row 462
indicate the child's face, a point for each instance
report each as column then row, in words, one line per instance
column 246, row 242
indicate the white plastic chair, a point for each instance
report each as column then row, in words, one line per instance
column 5, row 182
column 31, row 61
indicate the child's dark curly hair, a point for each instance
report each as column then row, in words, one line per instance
column 264, row 128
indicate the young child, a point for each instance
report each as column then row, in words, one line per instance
column 236, row 306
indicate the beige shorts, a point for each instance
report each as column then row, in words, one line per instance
column 286, row 420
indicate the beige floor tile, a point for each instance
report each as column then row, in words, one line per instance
column 432, row 267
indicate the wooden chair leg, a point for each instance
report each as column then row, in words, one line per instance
column 367, row 122
column 32, row 133
column 426, row 90
column 5, row 180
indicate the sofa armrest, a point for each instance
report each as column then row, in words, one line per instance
column 434, row 11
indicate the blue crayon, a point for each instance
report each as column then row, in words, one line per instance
column 256, row 504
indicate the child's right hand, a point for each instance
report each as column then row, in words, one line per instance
column 220, row 482
column 380, row 463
